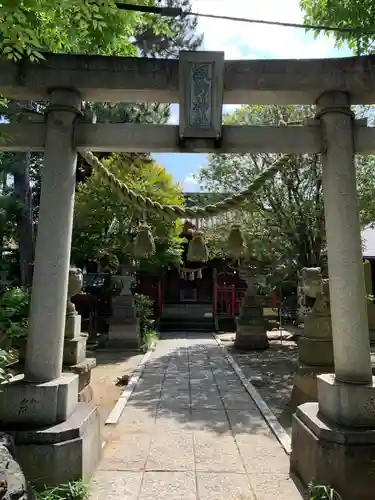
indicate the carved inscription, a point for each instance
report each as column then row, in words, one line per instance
column 200, row 95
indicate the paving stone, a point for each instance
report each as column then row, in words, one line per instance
column 216, row 453
column 270, row 487
column 225, row 487
column 172, row 419
column 239, row 400
column 263, row 454
column 128, row 453
column 172, row 451
column 175, row 429
column 211, row 421
column 248, row 422
column 168, row 486
column 136, row 420
column 116, row 485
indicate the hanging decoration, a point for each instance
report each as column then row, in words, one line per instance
column 197, row 251
column 235, row 242
column 144, row 244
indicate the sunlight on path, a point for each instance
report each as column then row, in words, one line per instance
column 189, row 431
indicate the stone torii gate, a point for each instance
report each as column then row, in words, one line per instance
column 329, row 436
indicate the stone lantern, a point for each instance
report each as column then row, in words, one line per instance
column 251, row 332
column 124, row 330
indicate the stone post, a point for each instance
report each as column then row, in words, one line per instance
column 57, row 438
column 124, row 330
column 345, row 264
column 333, row 441
column 251, row 332
column 52, row 253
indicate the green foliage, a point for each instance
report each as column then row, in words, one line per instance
column 74, row 490
column 144, row 311
column 14, row 311
column 29, row 27
column 344, row 14
column 285, row 221
column 6, row 358
column 85, row 26
column 97, row 206
column 320, row 492
column 149, row 339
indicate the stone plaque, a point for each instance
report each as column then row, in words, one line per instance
column 201, row 88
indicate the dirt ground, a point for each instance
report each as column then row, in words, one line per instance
column 271, row 372
column 110, row 366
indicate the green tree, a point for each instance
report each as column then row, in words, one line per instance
column 97, row 207
column 89, row 27
column 285, row 221
column 29, row 27
column 344, row 14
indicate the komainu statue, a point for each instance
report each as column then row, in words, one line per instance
column 315, row 286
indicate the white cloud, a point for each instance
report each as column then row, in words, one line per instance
column 190, row 179
column 190, row 183
column 252, row 41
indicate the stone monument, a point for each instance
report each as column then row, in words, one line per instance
column 315, row 348
column 74, row 356
column 251, row 331
column 124, row 329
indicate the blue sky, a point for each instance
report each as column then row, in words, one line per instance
column 247, row 41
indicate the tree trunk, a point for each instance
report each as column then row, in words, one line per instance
column 22, row 191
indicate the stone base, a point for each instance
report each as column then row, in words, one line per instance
column 73, row 326
column 251, row 336
column 83, row 370
column 62, row 453
column 305, row 384
column 35, row 404
column 347, row 404
column 74, row 350
column 315, row 352
column 86, row 395
column 328, row 454
column 124, row 336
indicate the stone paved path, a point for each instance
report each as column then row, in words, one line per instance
column 191, row 431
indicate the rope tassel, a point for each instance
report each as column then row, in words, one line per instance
column 197, row 249
column 235, row 242
column 144, row 244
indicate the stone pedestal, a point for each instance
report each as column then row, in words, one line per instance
column 63, row 452
column 315, row 352
column 124, row 331
column 251, row 331
column 74, row 353
column 124, row 334
column 74, row 356
column 333, row 441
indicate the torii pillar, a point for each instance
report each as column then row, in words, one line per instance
column 58, row 439
column 333, row 441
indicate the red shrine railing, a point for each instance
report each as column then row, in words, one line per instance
column 227, row 300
